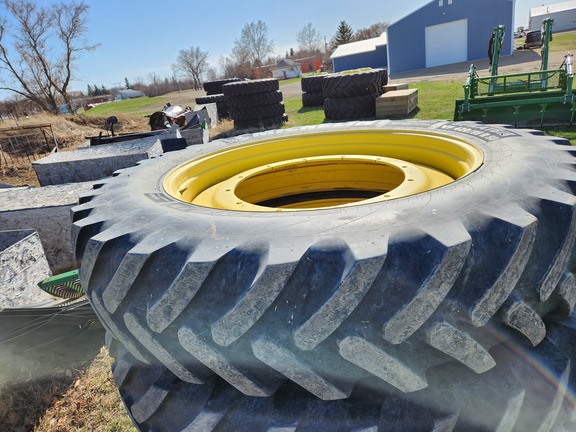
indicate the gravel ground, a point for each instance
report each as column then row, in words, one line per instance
column 520, row 61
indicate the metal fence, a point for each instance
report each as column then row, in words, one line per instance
column 527, row 82
column 24, row 144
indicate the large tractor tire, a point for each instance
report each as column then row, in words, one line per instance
column 310, row 99
column 258, row 112
column 383, row 76
column 255, row 100
column 530, row 389
column 250, row 115
column 350, row 84
column 215, row 87
column 216, row 98
column 219, row 100
column 331, row 254
column 250, row 87
column 312, row 83
column 260, row 123
column 350, row 108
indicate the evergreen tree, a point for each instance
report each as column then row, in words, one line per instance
column 103, row 90
column 344, row 34
column 127, row 83
column 89, row 90
column 96, row 91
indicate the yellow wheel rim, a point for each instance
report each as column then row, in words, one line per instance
column 323, row 170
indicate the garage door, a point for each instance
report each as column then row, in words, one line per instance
column 447, row 43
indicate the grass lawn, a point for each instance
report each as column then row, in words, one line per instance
column 138, row 106
column 563, row 42
column 299, row 115
column 436, row 100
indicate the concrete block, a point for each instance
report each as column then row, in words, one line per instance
column 208, row 112
column 173, row 144
column 94, row 162
column 163, row 134
column 22, row 265
column 45, row 210
column 195, row 136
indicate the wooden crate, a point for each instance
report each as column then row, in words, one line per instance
column 396, row 102
column 398, row 86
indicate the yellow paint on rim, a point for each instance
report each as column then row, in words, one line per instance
column 323, row 170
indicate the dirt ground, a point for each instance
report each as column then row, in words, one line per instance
column 520, row 61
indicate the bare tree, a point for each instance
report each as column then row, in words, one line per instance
column 26, row 75
column 235, row 67
column 153, row 78
column 192, row 63
column 38, row 49
column 211, row 74
column 309, row 40
column 374, row 31
column 70, row 22
column 253, row 45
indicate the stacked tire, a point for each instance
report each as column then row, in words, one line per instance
column 521, row 395
column 242, row 290
column 214, row 94
column 255, row 104
column 352, row 95
column 312, row 94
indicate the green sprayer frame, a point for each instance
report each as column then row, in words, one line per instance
column 533, row 99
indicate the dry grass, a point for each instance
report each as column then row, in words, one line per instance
column 91, row 403
column 65, row 389
column 83, row 399
column 69, row 131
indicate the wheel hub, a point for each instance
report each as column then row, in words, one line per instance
column 323, row 170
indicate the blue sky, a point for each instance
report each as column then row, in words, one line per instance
column 140, row 37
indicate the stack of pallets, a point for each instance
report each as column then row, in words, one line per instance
column 397, row 99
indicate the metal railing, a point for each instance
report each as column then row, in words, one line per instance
column 22, row 145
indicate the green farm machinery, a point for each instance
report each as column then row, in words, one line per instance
column 532, row 99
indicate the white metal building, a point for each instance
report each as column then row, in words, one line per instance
column 127, row 94
column 367, row 53
column 563, row 14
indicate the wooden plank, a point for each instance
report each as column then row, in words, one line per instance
column 397, row 86
column 396, row 102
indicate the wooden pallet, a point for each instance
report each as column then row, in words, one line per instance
column 398, row 86
column 396, row 102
